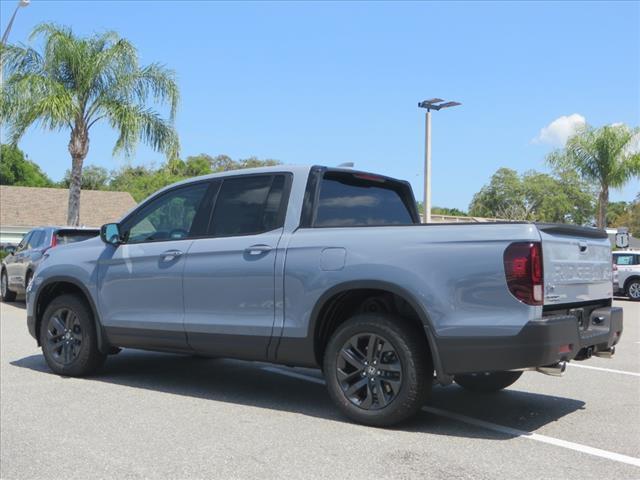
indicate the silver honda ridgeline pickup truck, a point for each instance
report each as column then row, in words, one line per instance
column 329, row 268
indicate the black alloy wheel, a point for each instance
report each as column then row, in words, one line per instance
column 369, row 371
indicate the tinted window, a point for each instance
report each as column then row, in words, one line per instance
column 36, row 240
column 64, row 237
column 347, row 200
column 624, row 259
column 169, row 217
column 249, row 205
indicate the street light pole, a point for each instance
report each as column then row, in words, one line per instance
column 431, row 104
column 426, row 200
column 5, row 36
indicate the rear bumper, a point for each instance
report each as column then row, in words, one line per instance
column 538, row 343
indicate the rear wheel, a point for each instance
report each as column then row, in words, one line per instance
column 633, row 290
column 7, row 295
column 487, row 381
column 378, row 369
column 68, row 337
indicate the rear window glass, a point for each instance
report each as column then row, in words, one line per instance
column 349, row 200
column 624, row 259
column 64, row 237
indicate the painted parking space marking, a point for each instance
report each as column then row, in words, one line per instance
column 617, row 457
column 610, row 370
column 597, row 452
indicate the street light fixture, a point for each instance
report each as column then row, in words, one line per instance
column 431, row 104
column 5, row 36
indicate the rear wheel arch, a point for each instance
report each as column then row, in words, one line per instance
column 342, row 301
column 57, row 286
column 629, row 281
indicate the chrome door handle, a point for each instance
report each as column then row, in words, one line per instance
column 257, row 249
column 171, row 255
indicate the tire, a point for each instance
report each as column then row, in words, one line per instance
column 6, row 294
column 68, row 337
column 393, row 384
column 487, row 382
column 633, row 290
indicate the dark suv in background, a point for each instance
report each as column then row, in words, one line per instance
column 18, row 267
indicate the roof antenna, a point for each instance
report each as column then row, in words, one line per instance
column 346, row 165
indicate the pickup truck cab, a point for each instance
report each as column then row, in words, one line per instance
column 330, row 268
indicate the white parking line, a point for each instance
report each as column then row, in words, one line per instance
column 616, row 457
column 610, row 370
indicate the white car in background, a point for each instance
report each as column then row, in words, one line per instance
column 627, row 263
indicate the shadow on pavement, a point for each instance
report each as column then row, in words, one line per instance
column 248, row 383
column 18, row 304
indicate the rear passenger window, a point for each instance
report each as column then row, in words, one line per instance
column 36, row 240
column 249, row 205
column 348, row 200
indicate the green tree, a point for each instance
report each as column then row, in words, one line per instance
column 141, row 182
column 93, row 178
column 503, row 197
column 630, row 217
column 74, row 82
column 534, row 196
column 603, row 157
column 15, row 169
column 615, row 212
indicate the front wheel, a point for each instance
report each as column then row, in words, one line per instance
column 68, row 337
column 487, row 381
column 633, row 290
column 378, row 369
column 7, row 295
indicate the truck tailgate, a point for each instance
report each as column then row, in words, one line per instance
column 577, row 264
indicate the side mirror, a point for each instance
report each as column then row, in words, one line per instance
column 10, row 250
column 110, row 233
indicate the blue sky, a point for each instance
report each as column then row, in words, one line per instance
column 326, row 83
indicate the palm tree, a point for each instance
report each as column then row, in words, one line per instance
column 604, row 156
column 74, row 83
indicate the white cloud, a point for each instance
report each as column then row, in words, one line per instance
column 558, row 132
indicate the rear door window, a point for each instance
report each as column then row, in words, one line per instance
column 36, row 240
column 348, row 200
column 249, row 205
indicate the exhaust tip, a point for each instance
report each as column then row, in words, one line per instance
column 608, row 353
column 555, row 370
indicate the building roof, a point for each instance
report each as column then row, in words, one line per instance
column 31, row 206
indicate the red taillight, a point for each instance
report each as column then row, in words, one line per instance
column 524, row 272
column 615, row 267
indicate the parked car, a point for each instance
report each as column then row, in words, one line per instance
column 18, row 267
column 627, row 264
column 330, row 268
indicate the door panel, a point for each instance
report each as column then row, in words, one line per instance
column 141, row 294
column 229, row 279
column 229, row 294
column 140, row 282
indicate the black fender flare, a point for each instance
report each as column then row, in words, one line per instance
column 389, row 287
column 103, row 344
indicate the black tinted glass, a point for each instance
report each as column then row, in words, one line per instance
column 248, row 205
column 64, row 237
column 169, row 217
column 346, row 200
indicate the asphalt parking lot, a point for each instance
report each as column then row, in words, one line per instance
column 168, row 416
